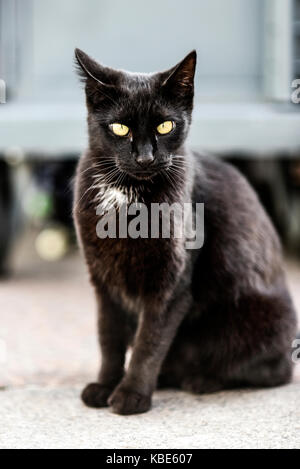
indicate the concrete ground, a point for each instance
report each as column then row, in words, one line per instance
column 48, row 351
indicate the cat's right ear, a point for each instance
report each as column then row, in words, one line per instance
column 100, row 82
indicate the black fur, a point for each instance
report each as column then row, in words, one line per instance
column 199, row 320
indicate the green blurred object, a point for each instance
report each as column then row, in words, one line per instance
column 39, row 205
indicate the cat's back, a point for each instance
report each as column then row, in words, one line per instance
column 238, row 232
column 228, row 195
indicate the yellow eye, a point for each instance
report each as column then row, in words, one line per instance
column 120, row 129
column 165, row 127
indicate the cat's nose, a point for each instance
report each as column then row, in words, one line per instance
column 145, row 160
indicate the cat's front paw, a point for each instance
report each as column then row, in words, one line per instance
column 126, row 401
column 96, row 395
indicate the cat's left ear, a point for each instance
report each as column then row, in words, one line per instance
column 179, row 80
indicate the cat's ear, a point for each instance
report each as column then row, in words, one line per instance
column 179, row 80
column 100, row 82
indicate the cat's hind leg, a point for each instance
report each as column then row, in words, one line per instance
column 201, row 385
column 182, row 368
column 174, row 375
column 244, row 345
column 265, row 373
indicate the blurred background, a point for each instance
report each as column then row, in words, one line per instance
column 248, row 59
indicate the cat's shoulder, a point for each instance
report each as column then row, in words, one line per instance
column 213, row 166
column 218, row 179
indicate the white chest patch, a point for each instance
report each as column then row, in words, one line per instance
column 114, row 197
column 109, row 198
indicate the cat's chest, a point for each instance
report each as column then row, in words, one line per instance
column 140, row 268
column 133, row 265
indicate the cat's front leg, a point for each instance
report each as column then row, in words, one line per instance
column 156, row 331
column 114, row 336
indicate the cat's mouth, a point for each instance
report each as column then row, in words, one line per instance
column 142, row 175
column 149, row 174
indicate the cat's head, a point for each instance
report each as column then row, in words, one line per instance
column 138, row 121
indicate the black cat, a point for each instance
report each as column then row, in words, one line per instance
column 200, row 320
